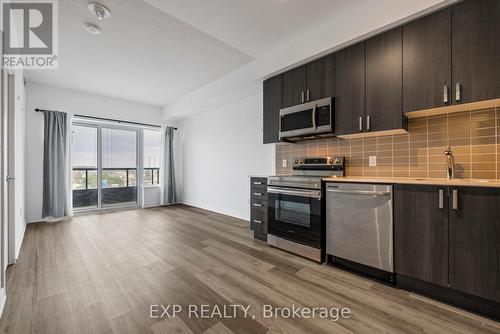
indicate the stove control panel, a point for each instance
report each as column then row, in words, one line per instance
column 325, row 163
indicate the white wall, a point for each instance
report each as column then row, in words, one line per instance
column 220, row 149
column 52, row 98
column 20, row 161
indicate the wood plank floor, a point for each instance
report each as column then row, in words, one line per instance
column 100, row 273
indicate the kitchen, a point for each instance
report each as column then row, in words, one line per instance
column 386, row 158
column 274, row 166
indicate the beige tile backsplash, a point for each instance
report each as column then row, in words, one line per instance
column 474, row 137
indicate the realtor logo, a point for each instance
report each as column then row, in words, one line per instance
column 30, row 34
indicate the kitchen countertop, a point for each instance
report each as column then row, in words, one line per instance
column 424, row 181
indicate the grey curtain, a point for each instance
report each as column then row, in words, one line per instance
column 55, row 155
column 169, row 170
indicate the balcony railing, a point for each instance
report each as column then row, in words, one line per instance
column 119, row 186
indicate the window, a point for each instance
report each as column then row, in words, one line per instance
column 84, row 178
column 152, row 157
column 106, row 159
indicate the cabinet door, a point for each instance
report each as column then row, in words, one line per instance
column 349, row 89
column 320, row 78
column 475, row 242
column 294, row 86
column 427, row 62
column 384, row 76
column 421, row 232
column 476, row 50
column 272, row 105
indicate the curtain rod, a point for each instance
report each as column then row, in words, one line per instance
column 107, row 119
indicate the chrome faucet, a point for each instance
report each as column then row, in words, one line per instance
column 450, row 163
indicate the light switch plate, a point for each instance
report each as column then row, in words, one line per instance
column 285, row 163
column 372, row 161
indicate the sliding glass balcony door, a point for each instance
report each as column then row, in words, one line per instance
column 85, row 192
column 105, row 166
column 119, row 167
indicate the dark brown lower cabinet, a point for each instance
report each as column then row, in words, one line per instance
column 475, row 241
column 258, row 207
column 421, row 233
column 447, row 244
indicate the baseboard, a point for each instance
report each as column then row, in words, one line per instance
column 3, row 299
column 224, row 211
column 452, row 297
column 20, row 242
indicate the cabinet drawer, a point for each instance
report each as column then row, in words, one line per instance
column 258, row 223
column 258, row 182
column 259, row 203
column 258, row 214
column 259, row 193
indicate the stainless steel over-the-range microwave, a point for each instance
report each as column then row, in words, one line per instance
column 307, row 119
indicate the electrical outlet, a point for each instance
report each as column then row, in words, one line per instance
column 372, row 161
column 285, row 163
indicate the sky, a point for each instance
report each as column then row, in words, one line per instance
column 118, row 148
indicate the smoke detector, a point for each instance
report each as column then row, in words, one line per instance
column 100, row 11
column 92, row 28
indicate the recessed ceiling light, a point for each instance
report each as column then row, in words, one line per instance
column 100, row 11
column 92, row 28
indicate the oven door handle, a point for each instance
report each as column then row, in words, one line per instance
column 302, row 193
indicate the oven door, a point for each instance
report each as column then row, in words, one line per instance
column 295, row 214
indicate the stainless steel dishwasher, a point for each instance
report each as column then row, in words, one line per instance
column 359, row 232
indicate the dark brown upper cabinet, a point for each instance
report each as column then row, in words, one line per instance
column 310, row 82
column 476, row 51
column 350, row 89
column 427, row 62
column 384, row 76
column 320, row 78
column 272, row 105
column 294, row 86
column 421, row 232
column 475, row 241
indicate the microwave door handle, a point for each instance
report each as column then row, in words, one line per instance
column 314, row 117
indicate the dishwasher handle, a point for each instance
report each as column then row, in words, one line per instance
column 358, row 192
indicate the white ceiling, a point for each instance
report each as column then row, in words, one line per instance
column 254, row 26
column 143, row 54
column 156, row 51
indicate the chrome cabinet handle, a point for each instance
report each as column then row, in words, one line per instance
column 314, row 117
column 368, row 119
column 257, row 205
column 458, row 91
column 441, row 198
column 445, row 94
column 302, row 97
column 257, row 194
column 258, row 183
column 361, row 124
column 455, row 200
column 257, row 221
column 308, row 95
